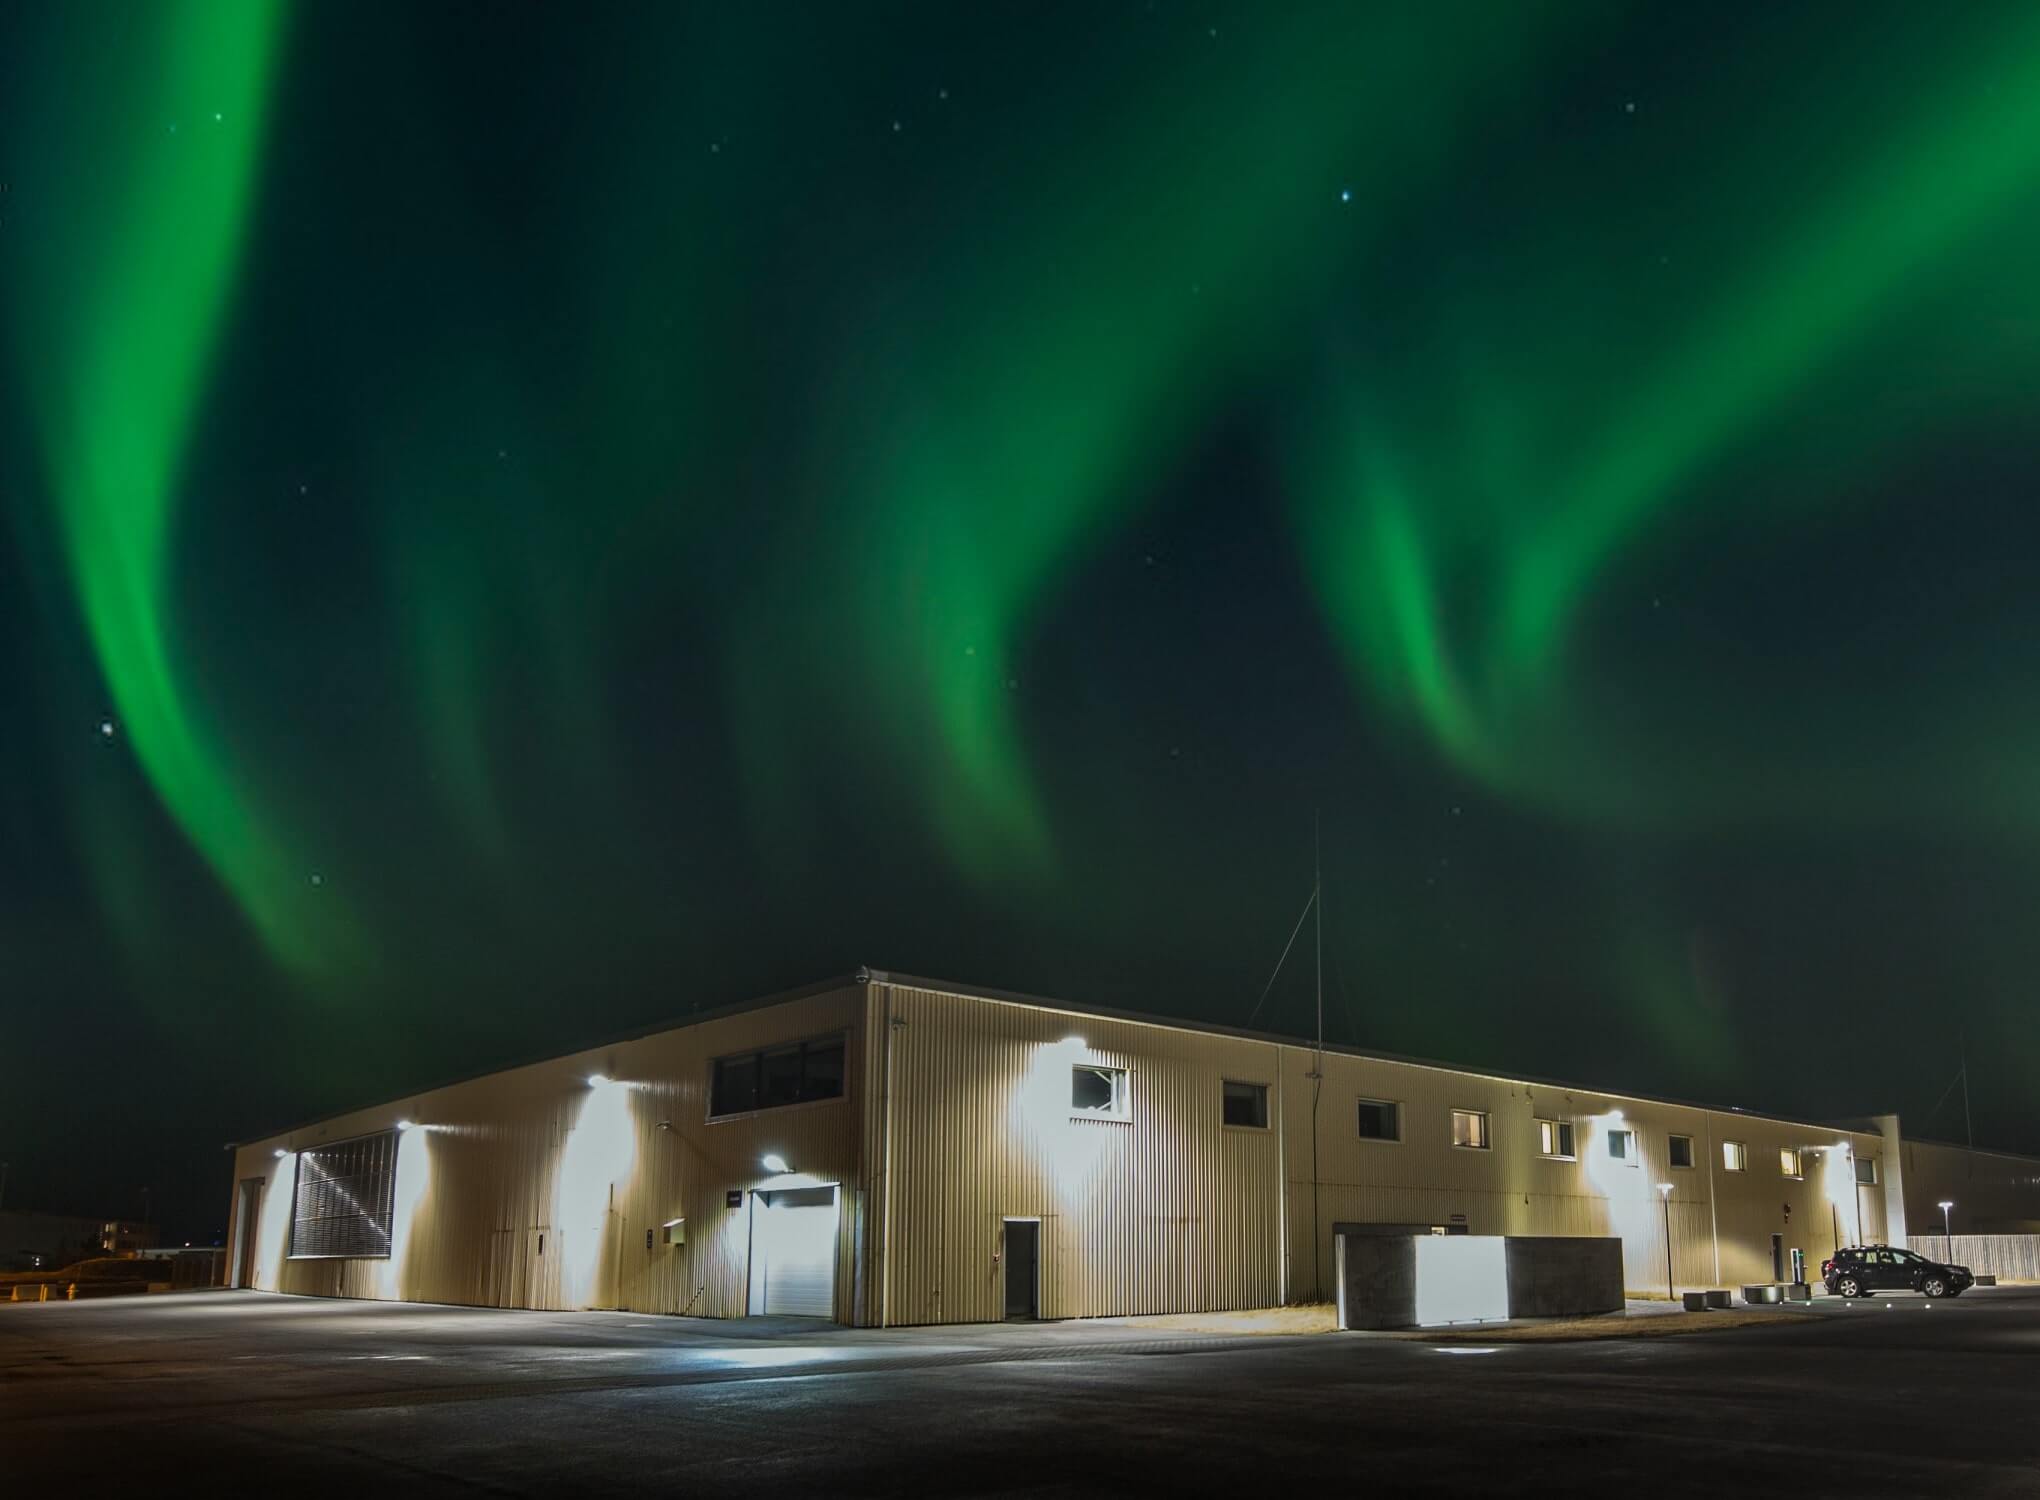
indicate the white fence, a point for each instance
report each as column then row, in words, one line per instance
column 2009, row 1257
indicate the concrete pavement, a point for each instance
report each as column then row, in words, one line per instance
column 247, row 1388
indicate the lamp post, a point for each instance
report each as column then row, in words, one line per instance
column 1665, row 1197
column 1947, row 1233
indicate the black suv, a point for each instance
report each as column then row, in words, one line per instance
column 1879, row 1268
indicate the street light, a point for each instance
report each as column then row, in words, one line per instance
column 1665, row 1197
column 1947, row 1233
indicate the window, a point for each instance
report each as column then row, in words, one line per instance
column 1622, row 1147
column 344, row 1199
column 1681, row 1147
column 1380, row 1120
column 1246, row 1104
column 795, row 1073
column 1735, row 1156
column 1097, row 1092
column 1554, row 1138
column 1788, row 1162
column 1866, row 1170
column 1469, row 1129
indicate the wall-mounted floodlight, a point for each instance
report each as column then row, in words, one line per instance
column 1073, row 1041
column 403, row 1124
column 281, row 1153
column 772, row 1161
column 596, row 1080
column 1665, row 1188
column 1615, row 1116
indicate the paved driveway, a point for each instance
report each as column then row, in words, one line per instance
column 251, row 1389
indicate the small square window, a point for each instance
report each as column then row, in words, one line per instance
column 1246, row 1104
column 1380, row 1120
column 1098, row 1093
column 1555, row 1138
column 1788, row 1163
column 1735, row 1156
column 1681, row 1148
column 1866, row 1170
column 1470, row 1129
column 1622, row 1147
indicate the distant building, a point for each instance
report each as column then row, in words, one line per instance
column 884, row 1150
column 43, row 1242
column 126, row 1236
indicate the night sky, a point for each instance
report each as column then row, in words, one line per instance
column 522, row 520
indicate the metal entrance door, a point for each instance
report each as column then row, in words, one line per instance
column 246, row 1223
column 1023, row 1268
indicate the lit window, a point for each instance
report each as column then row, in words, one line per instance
column 1788, row 1162
column 795, row 1073
column 1469, row 1129
column 345, row 1199
column 1098, row 1093
column 1246, row 1104
column 1622, row 1147
column 1554, row 1138
column 1866, row 1170
column 1735, row 1156
column 1681, row 1148
column 1380, row 1120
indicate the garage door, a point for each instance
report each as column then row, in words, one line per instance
column 795, row 1238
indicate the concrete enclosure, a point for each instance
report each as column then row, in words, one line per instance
column 874, row 1148
column 1553, row 1276
column 1413, row 1281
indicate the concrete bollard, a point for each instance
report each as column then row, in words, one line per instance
column 1694, row 1301
column 1758, row 1296
column 1717, row 1300
column 1798, row 1291
column 1986, row 1281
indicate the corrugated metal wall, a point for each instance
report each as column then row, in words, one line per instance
column 1171, row 1211
column 2009, row 1257
column 1992, row 1192
column 1167, row 1211
column 480, row 1189
column 1510, row 1188
column 530, row 1189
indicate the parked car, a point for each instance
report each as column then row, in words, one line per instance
column 1863, row 1270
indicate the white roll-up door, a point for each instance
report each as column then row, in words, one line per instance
column 796, row 1238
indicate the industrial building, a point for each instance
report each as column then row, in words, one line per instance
column 884, row 1150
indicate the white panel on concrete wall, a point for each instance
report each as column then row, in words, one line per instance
column 1461, row 1279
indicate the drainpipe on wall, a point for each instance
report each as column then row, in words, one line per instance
column 1713, row 1212
column 885, row 1225
column 1281, row 1185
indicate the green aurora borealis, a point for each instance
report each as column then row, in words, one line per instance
column 572, row 516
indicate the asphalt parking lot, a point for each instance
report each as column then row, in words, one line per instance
column 254, row 1390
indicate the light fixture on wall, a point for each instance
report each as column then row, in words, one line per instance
column 281, row 1153
column 772, row 1161
column 596, row 1080
column 1074, row 1041
column 404, row 1125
